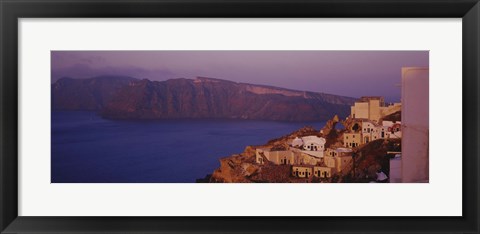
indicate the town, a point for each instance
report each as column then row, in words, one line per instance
column 375, row 142
column 308, row 156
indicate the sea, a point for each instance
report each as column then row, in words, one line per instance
column 89, row 149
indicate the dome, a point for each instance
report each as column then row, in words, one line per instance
column 297, row 142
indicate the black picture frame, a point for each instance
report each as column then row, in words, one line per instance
column 11, row 11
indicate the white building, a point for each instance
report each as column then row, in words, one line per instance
column 292, row 156
column 396, row 169
column 371, row 131
column 392, row 129
column 352, row 139
column 302, row 171
column 338, row 158
column 415, row 125
column 372, row 108
column 310, row 145
column 322, row 172
column 368, row 108
column 338, row 152
column 313, row 143
column 276, row 157
column 297, row 142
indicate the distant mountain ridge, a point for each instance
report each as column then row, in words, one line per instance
column 86, row 94
column 130, row 98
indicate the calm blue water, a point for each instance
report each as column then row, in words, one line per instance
column 89, row 149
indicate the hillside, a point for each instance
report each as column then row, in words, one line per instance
column 215, row 98
column 242, row 168
column 86, row 94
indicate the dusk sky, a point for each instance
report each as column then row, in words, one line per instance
column 347, row 73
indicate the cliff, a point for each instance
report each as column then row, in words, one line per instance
column 86, row 94
column 215, row 98
column 242, row 168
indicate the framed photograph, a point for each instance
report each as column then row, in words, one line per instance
column 239, row 116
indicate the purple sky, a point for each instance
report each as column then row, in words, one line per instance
column 348, row 73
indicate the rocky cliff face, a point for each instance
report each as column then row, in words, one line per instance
column 242, row 168
column 117, row 97
column 396, row 116
column 214, row 98
column 86, row 94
